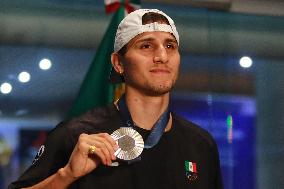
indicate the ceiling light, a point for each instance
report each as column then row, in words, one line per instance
column 6, row 88
column 245, row 62
column 24, row 77
column 45, row 64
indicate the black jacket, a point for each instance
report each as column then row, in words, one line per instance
column 165, row 166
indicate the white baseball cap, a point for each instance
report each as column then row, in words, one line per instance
column 132, row 25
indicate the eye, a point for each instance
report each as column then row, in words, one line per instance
column 170, row 46
column 145, row 46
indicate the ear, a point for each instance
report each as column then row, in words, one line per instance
column 117, row 63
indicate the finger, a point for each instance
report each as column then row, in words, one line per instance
column 102, row 141
column 109, row 143
column 108, row 138
column 105, row 148
column 108, row 150
column 107, row 154
column 84, row 144
column 97, row 153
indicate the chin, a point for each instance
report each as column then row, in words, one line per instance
column 152, row 88
column 158, row 90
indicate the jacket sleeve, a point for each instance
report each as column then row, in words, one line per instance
column 51, row 156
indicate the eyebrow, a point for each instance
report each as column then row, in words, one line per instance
column 172, row 40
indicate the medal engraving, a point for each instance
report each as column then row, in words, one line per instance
column 126, row 143
column 130, row 143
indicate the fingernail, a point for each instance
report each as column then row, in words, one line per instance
column 116, row 147
column 113, row 157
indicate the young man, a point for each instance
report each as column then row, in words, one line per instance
column 164, row 151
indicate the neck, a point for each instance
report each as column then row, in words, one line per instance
column 146, row 110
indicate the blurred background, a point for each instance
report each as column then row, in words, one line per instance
column 231, row 81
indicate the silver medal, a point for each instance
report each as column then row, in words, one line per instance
column 130, row 143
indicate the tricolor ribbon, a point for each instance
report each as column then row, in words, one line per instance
column 114, row 5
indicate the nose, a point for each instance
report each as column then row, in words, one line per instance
column 160, row 55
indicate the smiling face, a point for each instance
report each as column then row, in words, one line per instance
column 150, row 64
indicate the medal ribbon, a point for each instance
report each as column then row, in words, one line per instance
column 156, row 132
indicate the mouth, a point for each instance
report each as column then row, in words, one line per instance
column 160, row 71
